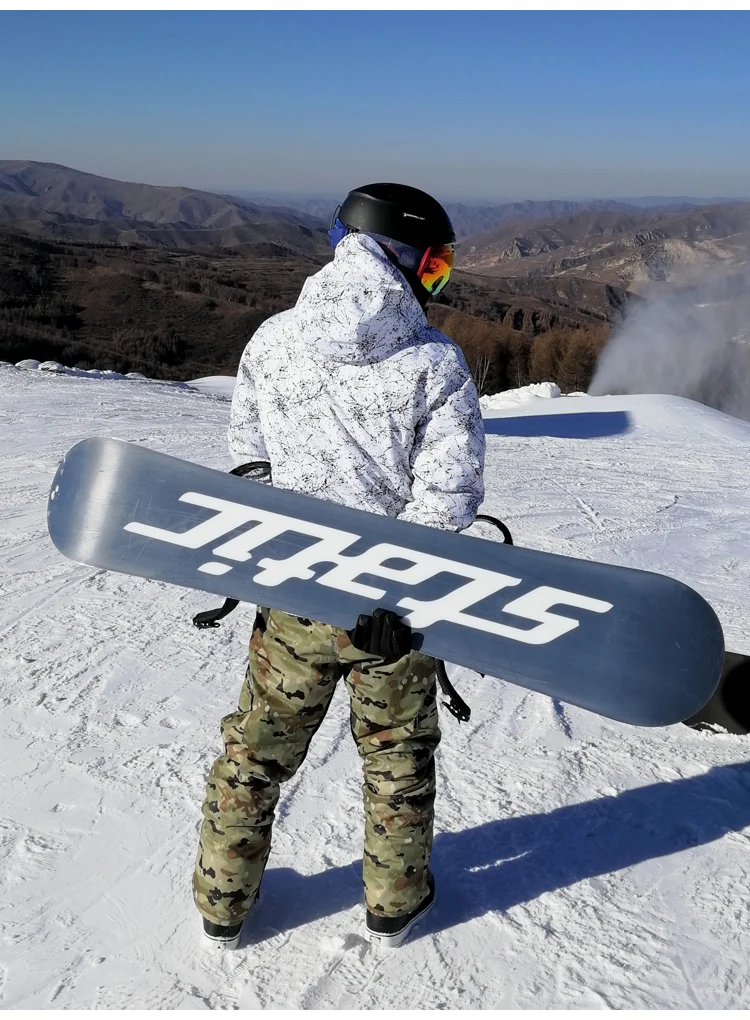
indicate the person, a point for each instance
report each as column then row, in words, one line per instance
column 352, row 397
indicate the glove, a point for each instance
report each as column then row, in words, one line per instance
column 382, row 634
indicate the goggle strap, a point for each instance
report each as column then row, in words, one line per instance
column 424, row 261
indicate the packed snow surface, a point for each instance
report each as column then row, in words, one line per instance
column 580, row 863
column 511, row 398
column 215, row 385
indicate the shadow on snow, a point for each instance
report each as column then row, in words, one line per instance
column 509, row 861
column 579, row 425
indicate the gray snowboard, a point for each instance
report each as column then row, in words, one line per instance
column 631, row 645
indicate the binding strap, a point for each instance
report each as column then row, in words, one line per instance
column 502, row 528
column 211, row 617
column 455, row 703
column 256, row 470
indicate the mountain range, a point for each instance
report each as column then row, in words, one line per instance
column 633, row 250
column 608, row 242
column 55, row 201
column 169, row 280
column 469, row 218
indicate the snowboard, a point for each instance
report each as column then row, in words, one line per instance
column 634, row 646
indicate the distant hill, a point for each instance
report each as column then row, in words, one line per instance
column 470, row 218
column 56, row 201
column 319, row 207
column 631, row 250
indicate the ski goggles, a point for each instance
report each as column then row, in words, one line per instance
column 436, row 267
column 433, row 266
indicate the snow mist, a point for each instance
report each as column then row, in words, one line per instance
column 693, row 342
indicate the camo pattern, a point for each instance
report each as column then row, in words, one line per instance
column 294, row 665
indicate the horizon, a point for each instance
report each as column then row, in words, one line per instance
column 268, row 196
column 479, row 200
column 536, row 105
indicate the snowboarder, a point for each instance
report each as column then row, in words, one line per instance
column 351, row 397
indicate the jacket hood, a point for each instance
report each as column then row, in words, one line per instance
column 359, row 308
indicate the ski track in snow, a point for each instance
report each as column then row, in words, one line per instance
column 580, row 863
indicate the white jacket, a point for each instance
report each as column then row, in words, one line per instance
column 355, row 399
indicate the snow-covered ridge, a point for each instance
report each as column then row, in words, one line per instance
column 644, row 411
column 55, row 368
column 657, row 411
column 221, row 386
column 511, row 398
column 215, row 385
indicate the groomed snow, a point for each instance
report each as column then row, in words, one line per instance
column 511, row 398
column 580, row 863
column 215, row 385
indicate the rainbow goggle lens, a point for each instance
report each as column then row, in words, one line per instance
column 436, row 267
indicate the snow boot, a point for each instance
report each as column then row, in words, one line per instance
column 225, row 936
column 391, row 931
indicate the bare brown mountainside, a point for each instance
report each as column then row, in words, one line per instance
column 168, row 314
column 56, row 201
column 173, row 282
column 533, row 304
column 180, row 313
column 632, row 251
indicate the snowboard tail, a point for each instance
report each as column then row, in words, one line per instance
column 634, row 646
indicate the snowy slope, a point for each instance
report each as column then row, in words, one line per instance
column 215, row 385
column 581, row 863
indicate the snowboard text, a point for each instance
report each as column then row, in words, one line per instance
column 384, row 560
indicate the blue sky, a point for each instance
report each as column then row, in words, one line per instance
column 492, row 105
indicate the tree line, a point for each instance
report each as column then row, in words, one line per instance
column 502, row 358
column 176, row 314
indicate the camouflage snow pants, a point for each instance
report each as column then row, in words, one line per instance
column 293, row 669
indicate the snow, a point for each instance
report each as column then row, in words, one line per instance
column 215, row 385
column 55, row 368
column 511, row 398
column 580, row 863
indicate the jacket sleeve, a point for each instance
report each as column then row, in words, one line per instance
column 245, row 434
column 447, row 459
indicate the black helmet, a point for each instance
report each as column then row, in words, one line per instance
column 397, row 211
